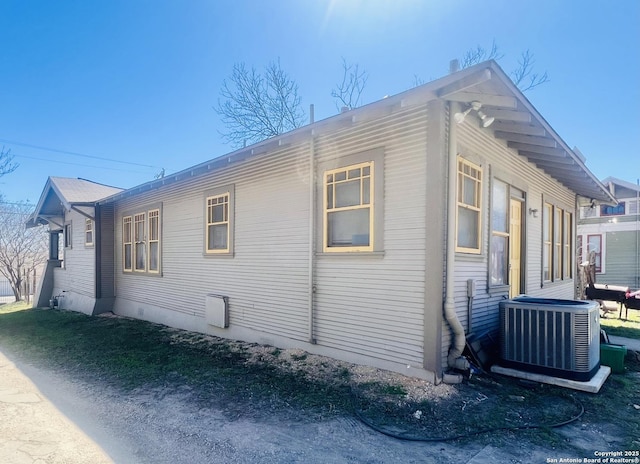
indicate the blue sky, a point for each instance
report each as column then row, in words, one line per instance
column 136, row 81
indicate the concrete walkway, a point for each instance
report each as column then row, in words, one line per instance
column 33, row 431
column 630, row 343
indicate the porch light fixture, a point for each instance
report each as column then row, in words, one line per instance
column 486, row 120
column 475, row 106
column 533, row 212
column 459, row 117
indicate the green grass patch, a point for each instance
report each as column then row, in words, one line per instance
column 12, row 307
column 244, row 378
column 131, row 354
column 629, row 327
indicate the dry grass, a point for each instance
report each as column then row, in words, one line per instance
column 263, row 380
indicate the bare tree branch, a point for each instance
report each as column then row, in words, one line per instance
column 255, row 107
column 524, row 77
column 480, row 54
column 21, row 250
column 7, row 166
column 349, row 92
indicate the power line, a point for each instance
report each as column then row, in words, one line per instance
column 55, row 150
column 78, row 164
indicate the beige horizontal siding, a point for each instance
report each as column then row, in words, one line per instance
column 499, row 161
column 78, row 274
column 265, row 280
column 375, row 306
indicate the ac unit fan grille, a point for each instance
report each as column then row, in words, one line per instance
column 550, row 339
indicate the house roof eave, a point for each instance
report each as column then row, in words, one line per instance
column 517, row 121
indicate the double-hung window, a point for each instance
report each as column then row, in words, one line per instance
column 141, row 241
column 469, row 207
column 218, row 224
column 67, row 235
column 88, row 232
column 349, row 208
column 140, row 248
column 154, row 240
column 127, row 244
column 557, row 255
column 499, row 259
column 219, row 217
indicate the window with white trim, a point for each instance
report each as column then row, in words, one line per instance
column 349, row 208
column 612, row 210
column 88, row 232
column 469, row 207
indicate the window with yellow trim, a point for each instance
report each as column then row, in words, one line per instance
column 140, row 248
column 469, row 207
column 349, row 208
column 127, row 244
column 154, row 240
column 567, row 232
column 557, row 230
column 217, row 240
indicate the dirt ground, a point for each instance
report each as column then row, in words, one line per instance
column 176, row 424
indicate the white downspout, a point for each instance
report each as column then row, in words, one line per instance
column 455, row 359
column 312, row 224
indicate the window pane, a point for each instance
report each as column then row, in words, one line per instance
column 546, row 223
column 349, row 228
column 218, row 237
column 366, row 191
column 342, row 175
column 546, row 254
column 468, row 228
column 330, row 204
column 127, row 256
column 499, row 260
column 354, row 173
column 499, row 208
column 140, row 256
column 153, row 256
column 348, row 194
column 218, row 213
column 469, row 192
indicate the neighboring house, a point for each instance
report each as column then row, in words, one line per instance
column 69, row 208
column 612, row 232
column 377, row 236
column 5, row 287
